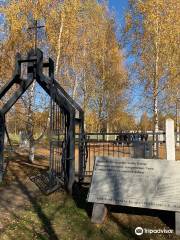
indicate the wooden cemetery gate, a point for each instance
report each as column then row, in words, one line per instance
column 67, row 117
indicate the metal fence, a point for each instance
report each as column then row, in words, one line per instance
column 134, row 145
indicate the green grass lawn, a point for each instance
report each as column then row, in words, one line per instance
column 57, row 217
column 60, row 216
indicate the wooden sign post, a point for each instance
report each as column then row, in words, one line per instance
column 170, row 140
column 171, row 156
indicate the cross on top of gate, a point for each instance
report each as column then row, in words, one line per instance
column 35, row 28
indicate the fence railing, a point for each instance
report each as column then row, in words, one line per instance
column 126, row 144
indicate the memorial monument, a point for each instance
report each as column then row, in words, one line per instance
column 141, row 183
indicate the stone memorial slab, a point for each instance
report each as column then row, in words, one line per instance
column 144, row 183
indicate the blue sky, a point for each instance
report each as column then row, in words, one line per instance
column 119, row 7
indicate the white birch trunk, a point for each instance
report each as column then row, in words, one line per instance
column 59, row 45
column 75, row 83
column 156, row 79
column 178, row 122
column 75, row 88
column 156, row 86
column 30, row 122
column 31, row 152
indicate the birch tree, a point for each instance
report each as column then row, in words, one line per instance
column 151, row 38
column 81, row 38
column 17, row 16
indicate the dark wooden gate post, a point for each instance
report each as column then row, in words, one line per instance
column 81, row 148
column 71, row 152
column 2, row 133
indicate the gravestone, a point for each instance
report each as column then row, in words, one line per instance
column 137, row 150
column 148, row 150
column 141, row 150
column 23, row 141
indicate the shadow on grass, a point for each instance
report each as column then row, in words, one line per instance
column 23, row 160
column 46, row 222
column 166, row 217
column 124, row 229
column 80, row 193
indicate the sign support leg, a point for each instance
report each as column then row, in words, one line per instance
column 99, row 213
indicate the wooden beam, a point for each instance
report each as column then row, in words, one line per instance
column 67, row 96
column 70, row 161
column 2, row 133
column 62, row 102
column 7, row 87
column 15, row 78
column 23, row 87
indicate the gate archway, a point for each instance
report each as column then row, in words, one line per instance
column 66, row 114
